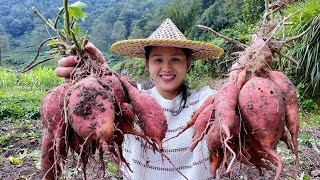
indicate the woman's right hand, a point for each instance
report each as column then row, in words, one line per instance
column 67, row 64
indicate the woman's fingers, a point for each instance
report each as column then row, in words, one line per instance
column 64, row 71
column 93, row 51
column 69, row 61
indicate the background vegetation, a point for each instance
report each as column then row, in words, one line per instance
column 21, row 32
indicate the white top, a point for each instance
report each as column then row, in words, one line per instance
column 146, row 164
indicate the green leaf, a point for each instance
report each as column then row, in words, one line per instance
column 75, row 11
column 52, row 41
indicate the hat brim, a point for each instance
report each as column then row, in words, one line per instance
column 135, row 47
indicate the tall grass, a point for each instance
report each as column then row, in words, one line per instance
column 39, row 79
column 307, row 49
column 21, row 94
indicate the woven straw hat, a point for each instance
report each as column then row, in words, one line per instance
column 167, row 35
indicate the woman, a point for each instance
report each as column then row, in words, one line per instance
column 168, row 55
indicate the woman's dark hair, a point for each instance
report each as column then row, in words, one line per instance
column 184, row 86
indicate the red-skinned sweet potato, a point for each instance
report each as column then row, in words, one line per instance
column 52, row 107
column 291, row 106
column 202, row 124
column 54, row 148
column 201, row 121
column 91, row 111
column 262, row 107
column 47, row 155
column 150, row 114
column 226, row 126
column 252, row 153
column 113, row 84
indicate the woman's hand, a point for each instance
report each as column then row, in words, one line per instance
column 67, row 64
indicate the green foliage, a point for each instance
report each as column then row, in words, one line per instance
column 308, row 104
column 20, row 94
column 39, row 79
column 20, row 105
column 199, row 74
column 134, row 68
column 307, row 140
column 4, row 139
column 305, row 50
column 184, row 14
column 251, row 9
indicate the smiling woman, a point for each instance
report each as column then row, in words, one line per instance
column 168, row 55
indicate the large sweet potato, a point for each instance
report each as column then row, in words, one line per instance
column 47, row 155
column 226, row 126
column 250, row 152
column 202, row 124
column 291, row 106
column 54, row 148
column 113, row 84
column 150, row 115
column 91, row 111
column 262, row 107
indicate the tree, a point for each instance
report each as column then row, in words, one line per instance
column 4, row 45
column 119, row 31
column 184, row 14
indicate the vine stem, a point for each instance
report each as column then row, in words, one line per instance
column 67, row 20
column 48, row 23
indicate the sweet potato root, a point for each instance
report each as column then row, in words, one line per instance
column 47, row 155
column 150, row 115
column 52, row 107
column 54, row 148
column 226, row 126
column 262, row 107
column 251, row 152
column 113, row 84
column 202, row 124
column 205, row 117
column 91, row 110
column 291, row 106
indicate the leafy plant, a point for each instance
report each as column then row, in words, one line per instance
column 306, row 140
column 68, row 40
column 306, row 50
column 307, row 104
column 20, row 105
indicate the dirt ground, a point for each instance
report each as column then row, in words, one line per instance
column 20, row 156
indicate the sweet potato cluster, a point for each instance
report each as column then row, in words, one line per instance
column 92, row 114
column 248, row 116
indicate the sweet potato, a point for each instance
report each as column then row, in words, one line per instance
column 251, row 152
column 150, row 115
column 83, row 148
column 47, row 155
column 52, row 115
column 262, row 107
column 91, row 110
column 291, row 106
column 202, row 124
column 113, row 84
column 52, row 111
column 226, row 126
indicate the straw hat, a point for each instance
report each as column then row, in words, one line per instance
column 167, row 35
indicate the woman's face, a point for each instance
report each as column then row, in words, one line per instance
column 167, row 67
